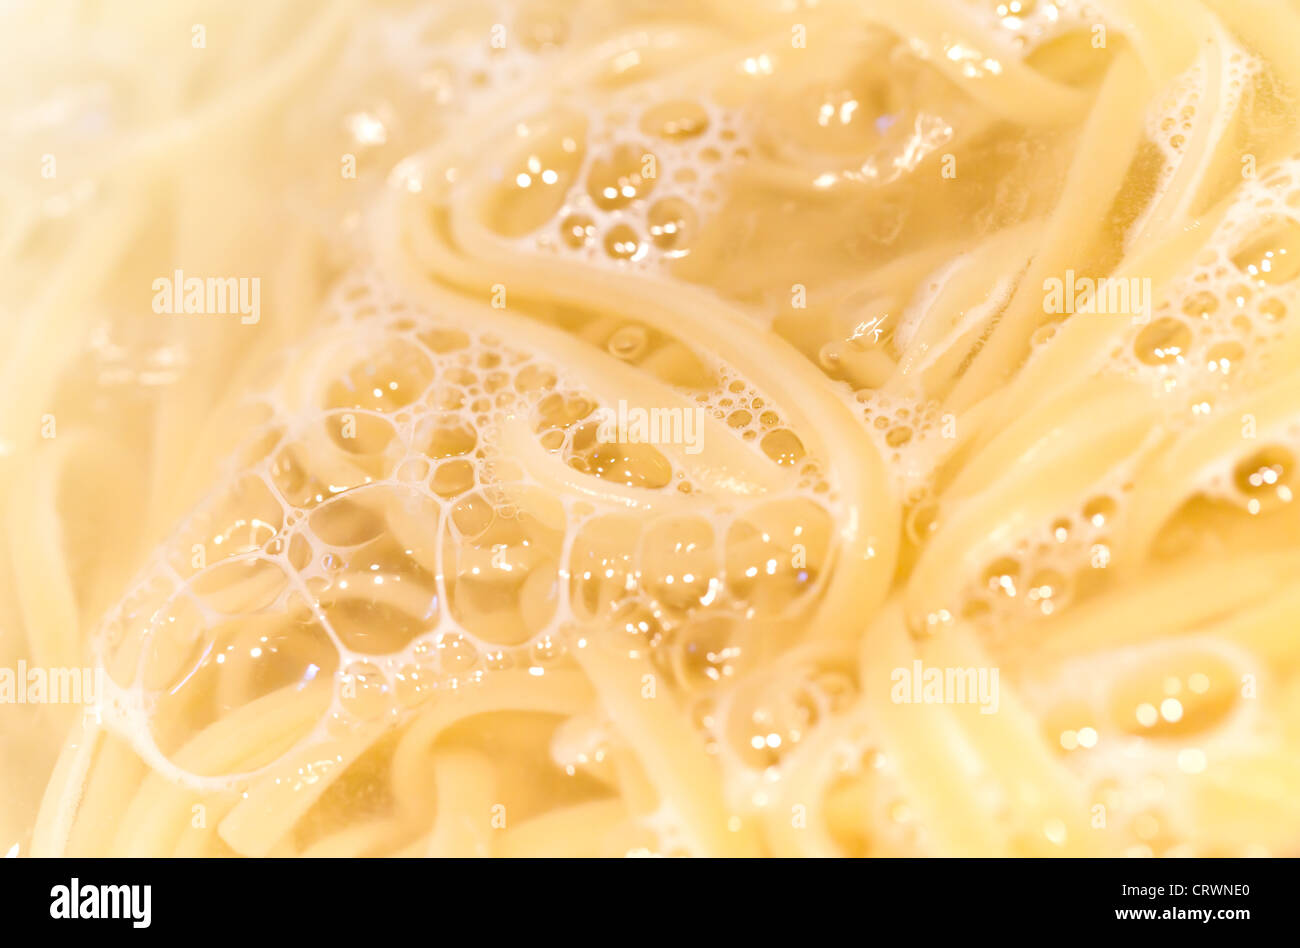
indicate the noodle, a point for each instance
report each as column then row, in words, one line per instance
column 580, row 428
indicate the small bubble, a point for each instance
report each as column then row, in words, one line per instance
column 1263, row 477
column 670, row 222
column 1273, row 310
column 577, row 230
column 1002, row 576
column 782, row 446
column 1099, row 511
column 676, row 120
column 1273, row 256
column 1201, row 304
column 1163, row 342
column 623, row 177
column 622, row 243
column 629, row 343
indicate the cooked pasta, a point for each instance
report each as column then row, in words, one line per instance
column 593, row 428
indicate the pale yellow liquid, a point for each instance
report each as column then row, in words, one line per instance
column 368, row 574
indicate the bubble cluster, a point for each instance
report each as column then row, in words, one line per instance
column 1043, row 572
column 631, row 186
column 1171, row 119
column 1128, row 721
column 912, row 436
column 1219, row 318
column 372, row 544
column 1211, row 325
column 1029, row 24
